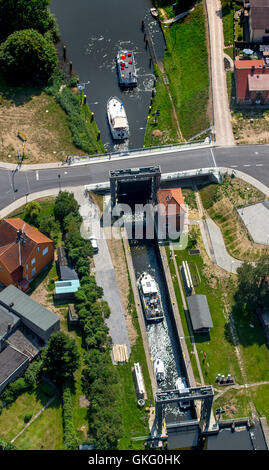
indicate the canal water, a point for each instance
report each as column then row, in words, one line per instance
column 93, row 32
column 162, row 341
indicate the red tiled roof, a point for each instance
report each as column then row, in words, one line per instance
column 248, row 63
column 9, row 248
column 171, row 197
column 245, row 69
column 29, row 231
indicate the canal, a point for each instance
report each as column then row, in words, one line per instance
column 93, row 32
column 162, row 340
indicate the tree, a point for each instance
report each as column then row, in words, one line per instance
column 64, row 205
column 16, row 15
column 32, row 211
column 49, row 227
column 26, row 57
column 61, row 357
column 253, row 286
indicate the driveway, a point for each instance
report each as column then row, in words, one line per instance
column 104, row 270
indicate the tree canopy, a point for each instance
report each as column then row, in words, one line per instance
column 16, row 15
column 27, row 57
column 65, row 205
column 253, row 287
column 61, row 357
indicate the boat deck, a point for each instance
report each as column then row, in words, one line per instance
column 126, row 69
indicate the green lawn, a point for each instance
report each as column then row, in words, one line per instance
column 253, row 346
column 46, row 433
column 46, row 205
column 260, row 397
column 235, row 403
column 220, row 354
column 12, row 418
column 165, row 122
column 186, row 65
column 227, row 21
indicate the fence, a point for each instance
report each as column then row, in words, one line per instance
column 140, row 152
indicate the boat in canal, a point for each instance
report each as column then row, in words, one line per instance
column 181, row 386
column 150, row 298
column 154, row 12
column 159, row 370
column 126, row 69
column 117, row 119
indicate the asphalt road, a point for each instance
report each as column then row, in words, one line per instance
column 253, row 160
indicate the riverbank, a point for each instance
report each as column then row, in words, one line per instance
column 186, row 66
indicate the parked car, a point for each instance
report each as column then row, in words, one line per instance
column 94, row 244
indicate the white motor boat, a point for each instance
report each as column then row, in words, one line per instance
column 159, row 370
column 150, row 298
column 117, row 119
column 181, row 386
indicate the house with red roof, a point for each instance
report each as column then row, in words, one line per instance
column 24, row 252
column 252, row 81
column 171, row 206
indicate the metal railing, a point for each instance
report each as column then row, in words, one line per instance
column 140, row 151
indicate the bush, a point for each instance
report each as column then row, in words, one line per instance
column 13, row 390
column 32, row 375
column 80, row 133
column 28, row 417
column 26, row 57
column 70, row 436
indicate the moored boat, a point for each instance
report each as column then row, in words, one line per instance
column 126, row 69
column 181, row 386
column 117, row 119
column 159, row 370
column 150, row 298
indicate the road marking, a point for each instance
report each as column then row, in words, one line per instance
column 213, row 157
column 259, row 164
column 37, row 175
column 234, row 166
column 246, row 165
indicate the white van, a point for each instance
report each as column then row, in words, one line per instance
column 94, row 244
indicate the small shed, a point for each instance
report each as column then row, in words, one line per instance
column 66, row 289
column 199, row 313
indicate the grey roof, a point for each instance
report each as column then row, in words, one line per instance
column 6, row 318
column 67, row 273
column 27, row 308
column 259, row 11
column 199, row 312
column 10, row 360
